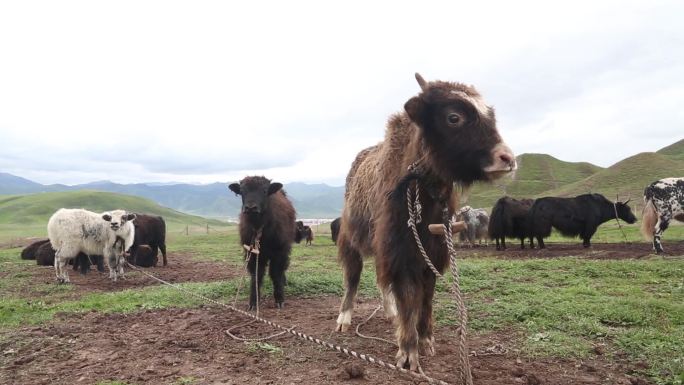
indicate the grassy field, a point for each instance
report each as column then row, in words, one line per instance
column 555, row 307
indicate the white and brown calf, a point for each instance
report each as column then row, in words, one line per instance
column 664, row 201
column 72, row 231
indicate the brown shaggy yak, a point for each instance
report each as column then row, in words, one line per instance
column 266, row 210
column 449, row 132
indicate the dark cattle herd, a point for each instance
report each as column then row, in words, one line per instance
column 444, row 139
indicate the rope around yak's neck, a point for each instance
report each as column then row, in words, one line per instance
column 618, row 221
column 414, row 210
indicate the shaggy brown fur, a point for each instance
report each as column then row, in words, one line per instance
column 452, row 133
column 265, row 206
column 309, row 235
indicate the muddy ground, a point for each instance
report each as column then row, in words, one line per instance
column 178, row 346
column 636, row 250
column 170, row 346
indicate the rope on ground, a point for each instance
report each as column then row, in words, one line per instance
column 358, row 333
column 303, row 336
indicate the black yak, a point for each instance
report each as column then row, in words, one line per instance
column 335, row 229
column 150, row 230
column 509, row 219
column 268, row 217
column 29, row 252
column 578, row 216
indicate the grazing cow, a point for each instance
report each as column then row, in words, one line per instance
column 509, row 219
column 578, row 216
column 445, row 135
column 308, row 235
column 299, row 232
column 72, row 231
column 268, row 219
column 664, row 201
column 29, row 252
column 150, row 230
column 335, row 229
column 477, row 221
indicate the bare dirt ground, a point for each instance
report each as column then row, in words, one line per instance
column 168, row 346
column 181, row 268
column 176, row 346
column 563, row 250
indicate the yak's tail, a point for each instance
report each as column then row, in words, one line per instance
column 649, row 217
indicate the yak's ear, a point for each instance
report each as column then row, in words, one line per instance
column 130, row 217
column 235, row 187
column 415, row 108
column 107, row 217
column 274, row 187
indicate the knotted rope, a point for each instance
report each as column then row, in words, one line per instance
column 414, row 208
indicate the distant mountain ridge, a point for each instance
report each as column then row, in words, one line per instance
column 538, row 175
column 211, row 200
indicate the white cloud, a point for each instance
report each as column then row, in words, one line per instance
column 198, row 92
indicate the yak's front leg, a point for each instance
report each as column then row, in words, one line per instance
column 426, row 342
column 255, row 272
column 276, row 269
column 409, row 306
column 352, row 264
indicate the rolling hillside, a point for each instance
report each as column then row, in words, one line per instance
column 543, row 175
column 536, row 174
column 35, row 209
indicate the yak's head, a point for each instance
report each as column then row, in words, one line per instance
column 459, row 129
column 624, row 212
column 117, row 218
column 255, row 192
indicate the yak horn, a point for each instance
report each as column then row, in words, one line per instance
column 438, row 228
column 421, row 82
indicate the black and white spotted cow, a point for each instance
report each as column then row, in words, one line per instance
column 664, row 201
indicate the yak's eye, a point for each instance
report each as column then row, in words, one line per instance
column 454, row 118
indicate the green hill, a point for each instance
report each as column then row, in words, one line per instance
column 675, row 150
column 32, row 211
column 536, row 174
column 627, row 177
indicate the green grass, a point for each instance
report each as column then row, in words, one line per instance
column 554, row 307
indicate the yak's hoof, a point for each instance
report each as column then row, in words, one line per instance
column 427, row 346
column 344, row 321
column 280, row 305
column 408, row 360
column 251, row 307
column 342, row 328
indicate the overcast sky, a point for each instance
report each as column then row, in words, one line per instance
column 145, row 91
